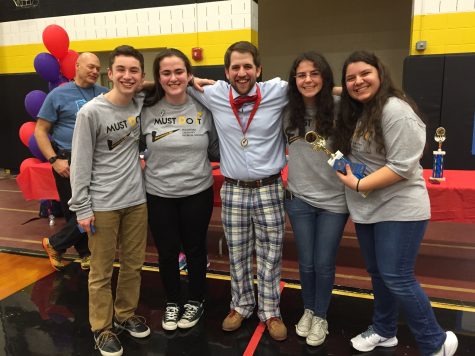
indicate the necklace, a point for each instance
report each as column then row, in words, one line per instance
column 82, row 93
column 245, row 141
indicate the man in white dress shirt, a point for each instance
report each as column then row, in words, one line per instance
column 248, row 121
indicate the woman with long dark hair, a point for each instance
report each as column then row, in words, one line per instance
column 315, row 200
column 379, row 127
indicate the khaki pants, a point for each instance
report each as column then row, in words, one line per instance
column 127, row 229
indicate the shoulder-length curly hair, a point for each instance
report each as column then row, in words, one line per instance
column 368, row 114
column 323, row 100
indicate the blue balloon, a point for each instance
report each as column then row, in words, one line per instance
column 47, row 66
column 33, row 101
column 34, row 149
column 62, row 79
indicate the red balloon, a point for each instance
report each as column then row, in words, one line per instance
column 28, row 163
column 68, row 64
column 26, row 131
column 56, row 40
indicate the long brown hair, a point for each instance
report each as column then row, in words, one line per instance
column 323, row 100
column 368, row 114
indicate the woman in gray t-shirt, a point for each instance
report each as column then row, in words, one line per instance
column 315, row 199
column 378, row 126
column 180, row 134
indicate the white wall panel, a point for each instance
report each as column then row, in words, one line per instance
column 210, row 16
column 466, row 5
column 448, row 6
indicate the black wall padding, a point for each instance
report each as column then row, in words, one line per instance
column 458, row 108
column 13, row 89
column 52, row 8
column 210, row 72
column 442, row 87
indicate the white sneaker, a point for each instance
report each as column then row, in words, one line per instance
column 304, row 324
column 368, row 340
column 318, row 332
column 450, row 345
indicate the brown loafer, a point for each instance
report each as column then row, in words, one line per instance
column 277, row 329
column 232, row 321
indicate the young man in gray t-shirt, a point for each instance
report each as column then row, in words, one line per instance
column 108, row 195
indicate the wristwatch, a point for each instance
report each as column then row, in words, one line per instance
column 52, row 159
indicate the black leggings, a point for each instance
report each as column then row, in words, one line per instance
column 177, row 222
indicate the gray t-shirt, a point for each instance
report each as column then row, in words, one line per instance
column 105, row 167
column 178, row 138
column 310, row 177
column 404, row 139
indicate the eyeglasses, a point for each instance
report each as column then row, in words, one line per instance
column 302, row 76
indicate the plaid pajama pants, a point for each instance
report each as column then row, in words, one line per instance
column 254, row 218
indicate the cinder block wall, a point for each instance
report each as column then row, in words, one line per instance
column 211, row 25
column 448, row 26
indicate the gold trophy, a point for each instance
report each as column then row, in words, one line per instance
column 438, row 162
column 337, row 160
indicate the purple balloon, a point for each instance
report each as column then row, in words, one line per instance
column 34, row 149
column 33, row 101
column 47, row 66
column 62, row 79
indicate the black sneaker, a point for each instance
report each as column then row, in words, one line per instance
column 108, row 343
column 192, row 314
column 171, row 317
column 135, row 326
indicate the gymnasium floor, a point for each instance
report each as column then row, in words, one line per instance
column 44, row 312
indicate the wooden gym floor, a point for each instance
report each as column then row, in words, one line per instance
column 44, row 312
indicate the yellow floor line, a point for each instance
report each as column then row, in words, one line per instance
column 10, row 191
column 19, row 210
column 350, row 294
column 361, row 295
column 19, row 240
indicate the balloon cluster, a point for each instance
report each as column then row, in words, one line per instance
column 57, row 67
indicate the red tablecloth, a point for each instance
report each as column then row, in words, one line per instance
column 452, row 200
column 37, row 182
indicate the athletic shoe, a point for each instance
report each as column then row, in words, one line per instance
column 135, row 326
column 54, row 256
column 305, row 323
column 85, row 263
column 318, row 332
column 192, row 314
column 108, row 343
column 171, row 317
column 368, row 340
column 450, row 345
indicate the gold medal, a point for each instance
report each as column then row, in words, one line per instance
column 244, row 142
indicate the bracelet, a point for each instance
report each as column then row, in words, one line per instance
column 358, row 185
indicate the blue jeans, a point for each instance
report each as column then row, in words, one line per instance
column 317, row 233
column 390, row 249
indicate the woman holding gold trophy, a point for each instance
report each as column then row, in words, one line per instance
column 379, row 127
column 315, row 199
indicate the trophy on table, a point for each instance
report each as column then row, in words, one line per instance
column 337, row 160
column 438, row 163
